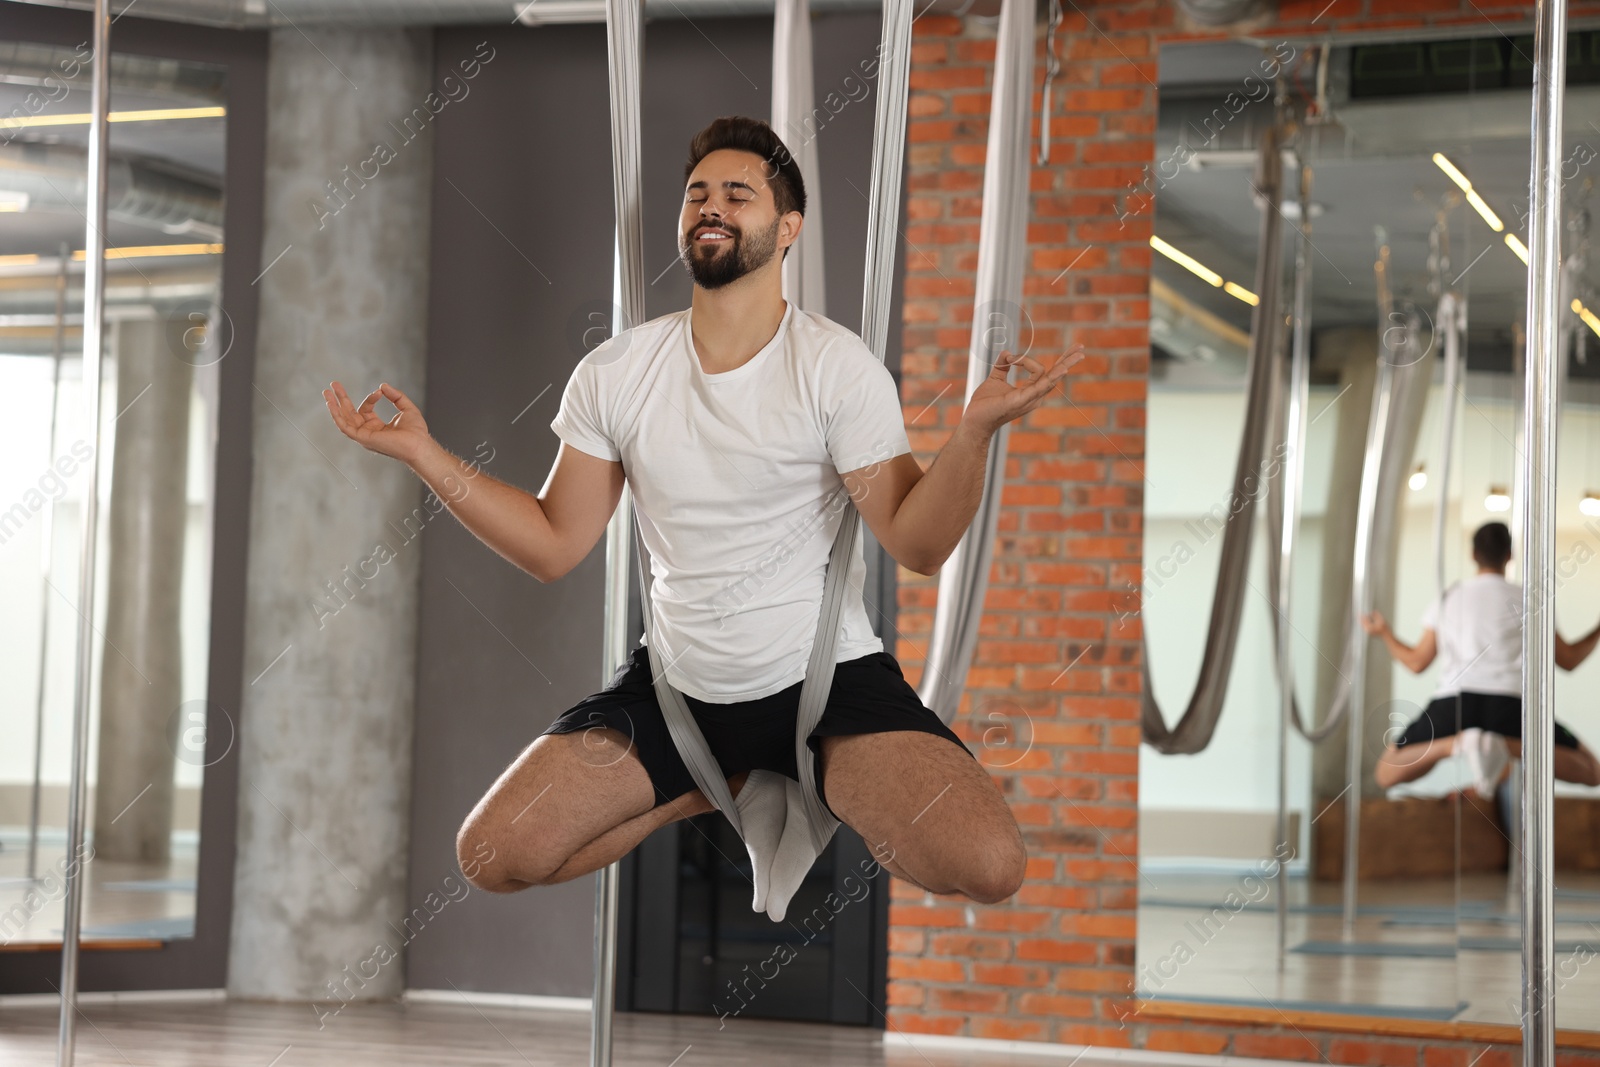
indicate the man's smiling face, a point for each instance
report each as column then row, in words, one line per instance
column 730, row 224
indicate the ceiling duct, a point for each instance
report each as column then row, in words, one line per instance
column 50, row 67
column 258, row 14
column 55, row 176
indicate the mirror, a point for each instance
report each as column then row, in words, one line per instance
column 164, row 339
column 1417, row 150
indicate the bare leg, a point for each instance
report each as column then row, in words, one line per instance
column 621, row 840
column 929, row 812
column 570, row 804
column 1568, row 764
column 1410, row 762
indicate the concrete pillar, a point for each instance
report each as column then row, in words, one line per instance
column 141, row 685
column 330, row 625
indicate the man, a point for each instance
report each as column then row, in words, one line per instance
column 740, row 424
column 1475, row 628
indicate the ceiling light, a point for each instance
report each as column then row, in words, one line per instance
column 1498, row 499
column 1588, row 317
column 116, row 116
column 1185, row 260
column 1472, row 194
column 1590, row 504
column 1291, row 210
column 1241, row 293
column 12, row 200
column 27, row 259
column 146, row 251
column 1518, row 247
column 554, row 11
column 1418, row 480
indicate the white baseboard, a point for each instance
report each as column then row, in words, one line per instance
column 1085, row 1055
column 496, row 1000
column 128, row 996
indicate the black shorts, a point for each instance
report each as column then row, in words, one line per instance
column 1497, row 713
column 869, row 695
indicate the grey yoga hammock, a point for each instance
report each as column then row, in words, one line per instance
column 783, row 822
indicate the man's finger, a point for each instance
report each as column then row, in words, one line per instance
column 399, row 399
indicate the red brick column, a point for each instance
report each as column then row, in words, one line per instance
column 1052, row 663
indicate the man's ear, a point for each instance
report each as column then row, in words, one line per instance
column 798, row 223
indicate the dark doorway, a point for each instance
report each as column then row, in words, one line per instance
column 688, row 941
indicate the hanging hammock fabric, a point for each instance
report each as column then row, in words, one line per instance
column 783, row 823
column 998, row 323
column 1199, row 720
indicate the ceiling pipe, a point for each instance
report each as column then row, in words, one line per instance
column 258, row 14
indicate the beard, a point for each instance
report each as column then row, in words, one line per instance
column 728, row 260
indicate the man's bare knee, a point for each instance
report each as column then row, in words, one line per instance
column 506, row 843
column 480, row 852
column 1002, row 876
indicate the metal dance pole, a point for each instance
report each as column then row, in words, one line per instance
column 94, row 291
column 1450, row 319
column 624, row 59
column 1294, row 437
column 1540, row 416
column 47, row 538
column 1361, row 587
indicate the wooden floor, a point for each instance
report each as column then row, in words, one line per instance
column 233, row 1034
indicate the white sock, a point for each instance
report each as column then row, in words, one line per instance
column 761, row 802
column 796, row 854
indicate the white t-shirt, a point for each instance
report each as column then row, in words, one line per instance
column 735, row 477
column 1478, row 625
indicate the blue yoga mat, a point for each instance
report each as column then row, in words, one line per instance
column 1374, row 948
column 153, row 885
column 159, row 929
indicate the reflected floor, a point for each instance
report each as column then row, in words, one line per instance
column 121, row 900
column 235, row 1034
column 1403, row 958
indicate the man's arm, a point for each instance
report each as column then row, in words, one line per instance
column 546, row 535
column 1414, row 658
column 1569, row 656
column 920, row 517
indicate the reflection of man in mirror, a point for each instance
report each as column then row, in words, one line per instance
column 1475, row 628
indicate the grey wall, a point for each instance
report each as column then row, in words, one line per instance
column 521, row 256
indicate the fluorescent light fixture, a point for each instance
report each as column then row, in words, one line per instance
column 1472, row 194
column 157, row 115
column 1498, row 499
column 554, row 11
column 1450, row 169
column 1418, row 480
column 147, row 251
column 1241, row 293
column 24, row 260
column 1518, row 247
column 1588, row 317
column 1590, row 504
column 1454, row 174
column 1186, row 261
column 1483, row 209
